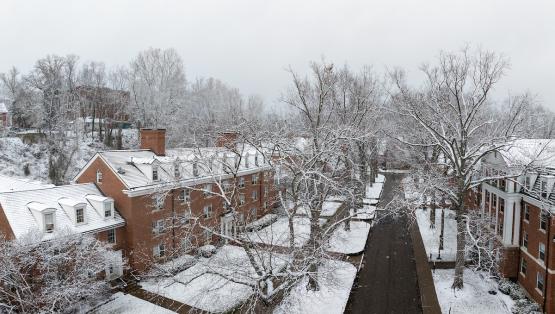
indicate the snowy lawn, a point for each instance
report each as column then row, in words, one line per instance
column 367, row 212
column 370, row 201
column 349, row 242
column 380, row 178
column 335, row 278
column 261, row 222
column 430, row 237
column 329, row 208
column 473, row 298
column 374, row 191
column 128, row 304
column 278, row 232
column 207, row 285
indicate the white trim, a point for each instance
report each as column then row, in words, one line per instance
column 87, row 165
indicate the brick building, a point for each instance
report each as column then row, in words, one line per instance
column 178, row 199
column 522, row 212
column 48, row 210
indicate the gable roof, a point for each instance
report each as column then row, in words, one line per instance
column 530, row 152
column 134, row 167
column 18, row 206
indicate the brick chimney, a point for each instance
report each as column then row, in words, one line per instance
column 155, row 140
column 227, row 139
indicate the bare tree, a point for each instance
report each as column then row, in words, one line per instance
column 453, row 113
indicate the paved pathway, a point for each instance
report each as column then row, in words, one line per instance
column 387, row 282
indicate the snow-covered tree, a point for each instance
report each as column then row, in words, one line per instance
column 453, row 114
column 52, row 276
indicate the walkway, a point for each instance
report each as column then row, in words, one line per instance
column 387, row 282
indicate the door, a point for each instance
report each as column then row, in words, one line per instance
column 114, row 269
column 227, row 226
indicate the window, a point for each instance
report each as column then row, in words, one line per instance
column 527, row 183
column 207, row 190
column 80, row 215
column 539, row 281
column 542, row 252
column 154, row 173
column 523, row 266
column 159, row 250
column 256, row 160
column 254, row 179
column 226, row 206
column 253, row 213
column 247, row 160
column 158, row 226
column 185, row 195
column 543, row 221
column 501, row 205
column 208, row 211
column 176, row 172
column 544, row 188
column 500, row 229
column 525, row 239
column 111, row 236
column 502, row 184
column 494, row 201
column 107, row 209
column 265, row 191
column 49, row 222
column 526, row 212
column 186, row 244
column 265, row 205
column 241, row 182
column 98, row 176
column 241, row 199
column 254, row 195
column 226, row 186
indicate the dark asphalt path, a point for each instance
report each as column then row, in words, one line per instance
column 387, row 282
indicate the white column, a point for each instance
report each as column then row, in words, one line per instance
column 508, row 221
column 516, row 232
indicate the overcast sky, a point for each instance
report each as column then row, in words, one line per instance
column 248, row 44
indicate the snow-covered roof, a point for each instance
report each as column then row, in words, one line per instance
column 530, row 152
column 19, row 206
column 134, row 167
column 10, row 184
column 3, row 108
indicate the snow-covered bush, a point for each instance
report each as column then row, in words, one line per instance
column 511, row 289
column 525, row 306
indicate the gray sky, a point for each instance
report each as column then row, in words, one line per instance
column 248, row 44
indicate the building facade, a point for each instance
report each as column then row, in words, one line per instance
column 521, row 209
column 176, row 200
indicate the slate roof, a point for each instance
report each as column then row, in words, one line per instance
column 22, row 221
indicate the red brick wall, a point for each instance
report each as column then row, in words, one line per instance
column 535, row 236
column 5, row 229
column 155, row 140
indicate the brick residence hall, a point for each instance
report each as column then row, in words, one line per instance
column 151, row 203
column 522, row 211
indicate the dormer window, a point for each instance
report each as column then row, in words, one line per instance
column 544, row 188
column 176, row 172
column 256, row 160
column 98, row 176
column 246, row 160
column 80, row 215
column 154, row 173
column 107, row 209
column 49, row 222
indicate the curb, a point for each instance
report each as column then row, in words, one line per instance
column 428, row 296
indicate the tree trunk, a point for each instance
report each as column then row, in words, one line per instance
column 432, row 216
column 461, row 237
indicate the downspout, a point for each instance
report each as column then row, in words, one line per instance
column 173, row 220
column 547, row 244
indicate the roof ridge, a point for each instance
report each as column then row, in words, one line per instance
column 48, row 188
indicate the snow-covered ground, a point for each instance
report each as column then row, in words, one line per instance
column 335, row 278
column 349, row 242
column 374, row 191
column 367, row 212
column 15, row 155
column 278, row 232
column 329, row 208
column 128, row 304
column 380, row 178
column 473, row 298
column 207, row 285
column 430, row 237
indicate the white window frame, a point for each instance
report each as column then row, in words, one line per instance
column 538, row 276
column 207, row 191
column 254, row 212
column 241, row 182
column 158, row 226
column 523, row 265
column 254, row 195
column 46, row 223
column 540, row 252
column 111, row 204
column 159, row 250
column 254, row 179
column 111, row 233
column 77, row 210
column 155, row 173
column 207, row 212
column 241, row 199
column 98, row 176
